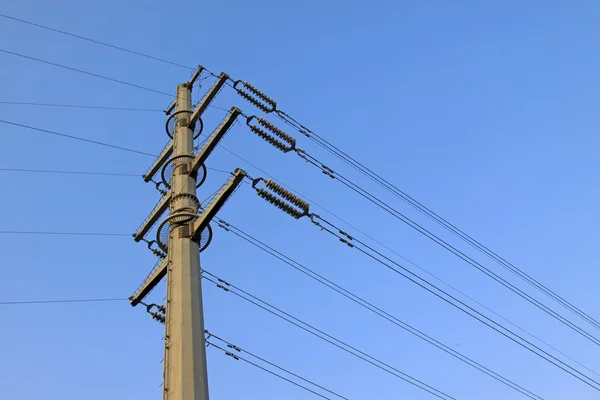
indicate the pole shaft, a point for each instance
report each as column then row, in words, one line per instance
column 185, row 369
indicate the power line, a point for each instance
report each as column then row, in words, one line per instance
column 371, row 307
column 11, row 303
column 452, row 300
column 96, row 41
column 240, row 350
column 62, row 233
column 49, row 171
column 210, row 344
column 230, row 288
column 86, row 72
column 19, row 103
column 77, row 138
column 455, row 289
column 435, row 217
column 394, row 212
column 386, row 207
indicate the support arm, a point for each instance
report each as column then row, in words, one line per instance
column 213, row 208
column 216, row 137
column 207, row 99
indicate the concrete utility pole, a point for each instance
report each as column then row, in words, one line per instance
column 189, row 232
column 185, row 369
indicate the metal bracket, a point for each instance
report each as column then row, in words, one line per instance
column 216, row 137
column 208, row 98
column 213, row 208
column 159, row 209
column 194, row 77
column 153, row 278
column 164, row 156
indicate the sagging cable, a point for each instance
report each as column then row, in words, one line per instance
column 342, row 236
column 255, row 96
column 282, row 198
column 311, row 160
column 266, row 136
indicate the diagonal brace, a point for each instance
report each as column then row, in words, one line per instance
column 207, row 99
column 153, row 278
column 213, row 208
column 160, row 208
column 214, row 140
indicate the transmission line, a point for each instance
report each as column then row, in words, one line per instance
column 12, row 303
column 371, row 307
column 230, row 288
column 20, row 103
column 436, row 217
column 233, row 347
column 62, row 233
column 284, row 142
column 298, row 208
column 76, row 138
column 386, row 207
column 420, row 268
column 85, row 72
column 97, row 42
column 236, row 357
column 450, row 299
column 50, row 171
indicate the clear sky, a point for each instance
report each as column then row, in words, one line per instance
column 485, row 111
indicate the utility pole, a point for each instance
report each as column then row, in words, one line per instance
column 181, row 236
column 185, row 370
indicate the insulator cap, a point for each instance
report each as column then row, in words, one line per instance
column 261, row 95
column 159, row 253
column 160, row 318
column 277, row 202
column 287, row 138
column 254, row 101
column 286, row 194
column 270, row 139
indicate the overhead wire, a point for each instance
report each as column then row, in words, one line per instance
column 386, row 207
column 435, row 238
column 328, row 171
column 239, row 349
column 228, row 353
column 312, row 133
column 63, row 233
column 371, row 307
column 105, row 144
column 419, row 228
column 436, row 217
column 445, row 283
column 96, row 42
column 77, row 138
column 86, row 72
column 455, row 302
column 100, row 300
column 50, row 171
column 21, row 103
column 230, row 288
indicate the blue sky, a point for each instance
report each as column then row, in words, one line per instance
column 483, row 111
